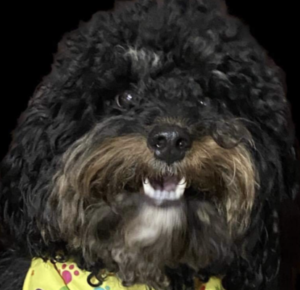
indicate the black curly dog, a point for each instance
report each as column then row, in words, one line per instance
column 160, row 148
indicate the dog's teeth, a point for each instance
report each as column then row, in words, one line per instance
column 173, row 195
column 182, row 181
column 148, row 189
column 161, row 195
column 169, row 195
column 180, row 188
column 164, row 194
column 157, row 194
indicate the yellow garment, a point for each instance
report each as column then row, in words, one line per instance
column 66, row 276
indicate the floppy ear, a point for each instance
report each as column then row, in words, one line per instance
column 61, row 110
column 20, row 168
column 50, row 124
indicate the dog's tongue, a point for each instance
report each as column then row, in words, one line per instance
column 168, row 183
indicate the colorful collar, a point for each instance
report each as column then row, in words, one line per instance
column 66, row 276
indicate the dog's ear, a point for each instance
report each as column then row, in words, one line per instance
column 60, row 111
column 20, row 167
column 51, row 122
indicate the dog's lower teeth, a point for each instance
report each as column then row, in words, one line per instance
column 164, row 194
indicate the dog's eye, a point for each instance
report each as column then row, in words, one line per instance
column 124, row 100
column 204, row 102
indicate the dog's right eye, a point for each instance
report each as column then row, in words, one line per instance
column 124, row 100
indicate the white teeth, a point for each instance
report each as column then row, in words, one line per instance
column 158, row 194
column 180, row 188
column 172, row 195
column 148, row 189
column 164, row 195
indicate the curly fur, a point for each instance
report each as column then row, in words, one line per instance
column 102, row 172
column 70, row 181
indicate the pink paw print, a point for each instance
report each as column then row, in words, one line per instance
column 68, row 273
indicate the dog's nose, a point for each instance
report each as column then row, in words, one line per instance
column 169, row 143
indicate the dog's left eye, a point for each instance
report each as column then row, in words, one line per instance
column 204, row 102
column 124, row 100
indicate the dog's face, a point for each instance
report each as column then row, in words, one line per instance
column 165, row 177
column 155, row 119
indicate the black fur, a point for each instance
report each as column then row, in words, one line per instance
column 210, row 69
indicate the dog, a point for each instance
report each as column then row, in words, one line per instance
column 159, row 148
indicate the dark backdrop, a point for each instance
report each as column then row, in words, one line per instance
column 30, row 34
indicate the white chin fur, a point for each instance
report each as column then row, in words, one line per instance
column 152, row 223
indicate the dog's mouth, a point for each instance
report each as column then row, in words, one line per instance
column 164, row 189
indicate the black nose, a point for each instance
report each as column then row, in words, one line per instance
column 169, row 142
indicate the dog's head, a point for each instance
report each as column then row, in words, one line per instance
column 153, row 141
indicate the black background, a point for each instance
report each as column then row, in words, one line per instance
column 31, row 30
column 30, row 33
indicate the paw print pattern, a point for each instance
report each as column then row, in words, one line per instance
column 68, row 273
column 102, row 288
